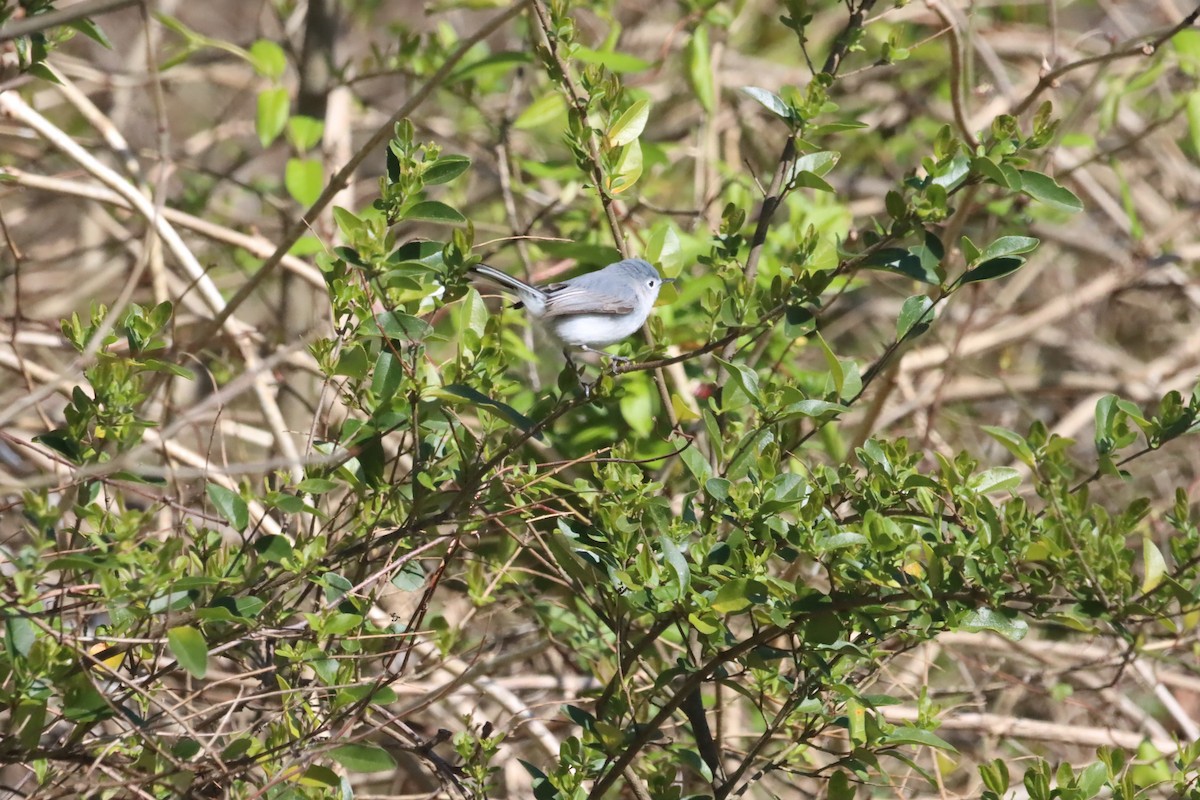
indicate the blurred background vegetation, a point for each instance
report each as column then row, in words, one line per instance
column 894, row 499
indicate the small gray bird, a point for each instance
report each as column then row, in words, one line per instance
column 592, row 310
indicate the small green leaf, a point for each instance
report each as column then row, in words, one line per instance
column 836, row 374
column 1155, row 566
column 1044, row 189
column 1193, row 118
column 914, row 316
column 771, row 101
column 745, row 378
column 1013, row 442
column 637, row 407
column 811, row 408
column 542, row 112
column 188, row 647
column 630, row 124
column 316, row 486
column 995, row 268
column 663, row 247
column 732, row 597
column 446, row 169
column 389, row 374
column 674, row 556
column 304, row 179
column 628, row 168
column 91, row 30
column 1009, row 246
column 268, row 59
column 502, row 410
column 996, row 479
column 398, row 325
column 611, row 60
column 918, row 736
column 819, row 163
column 699, row 69
column 434, row 211
column 273, row 108
column 304, row 133
column 985, row 619
column 363, row 758
column 230, row 506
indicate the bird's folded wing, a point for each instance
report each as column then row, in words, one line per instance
column 563, row 300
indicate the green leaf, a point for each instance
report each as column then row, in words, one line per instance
column 1155, row 566
column 502, row 410
column 91, row 30
column 19, row 635
column 434, row 211
column 611, row 60
column 745, row 378
column 637, row 407
column 629, row 126
column 1009, row 246
column 918, row 736
column 674, row 556
column 446, row 169
column 268, row 59
column 1091, row 780
column 1013, row 442
column 893, row 258
column 1044, row 189
column 985, row 619
column 732, row 597
column 771, row 101
column 304, row 132
column 316, row 486
column 546, row 110
column 663, row 248
column 230, row 505
column 363, row 758
column 699, row 69
column 819, row 163
column 188, row 647
column 811, row 408
column 273, row 108
column 398, row 325
column 996, row 479
column 304, row 179
column 836, row 374
column 693, row 459
column 914, row 316
column 500, row 62
column 995, row 268
column 628, row 168
column 389, row 374
column 1193, row 118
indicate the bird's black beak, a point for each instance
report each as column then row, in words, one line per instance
column 669, row 280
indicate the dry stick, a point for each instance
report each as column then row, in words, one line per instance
column 255, row 245
column 956, row 71
column 12, row 103
column 610, row 211
column 1144, row 45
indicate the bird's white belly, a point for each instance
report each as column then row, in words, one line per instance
column 594, row 330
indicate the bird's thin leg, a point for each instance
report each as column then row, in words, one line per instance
column 578, row 370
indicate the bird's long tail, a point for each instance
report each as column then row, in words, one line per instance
column 504, row 279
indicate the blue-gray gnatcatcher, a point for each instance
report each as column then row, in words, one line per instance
column 592, row 310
